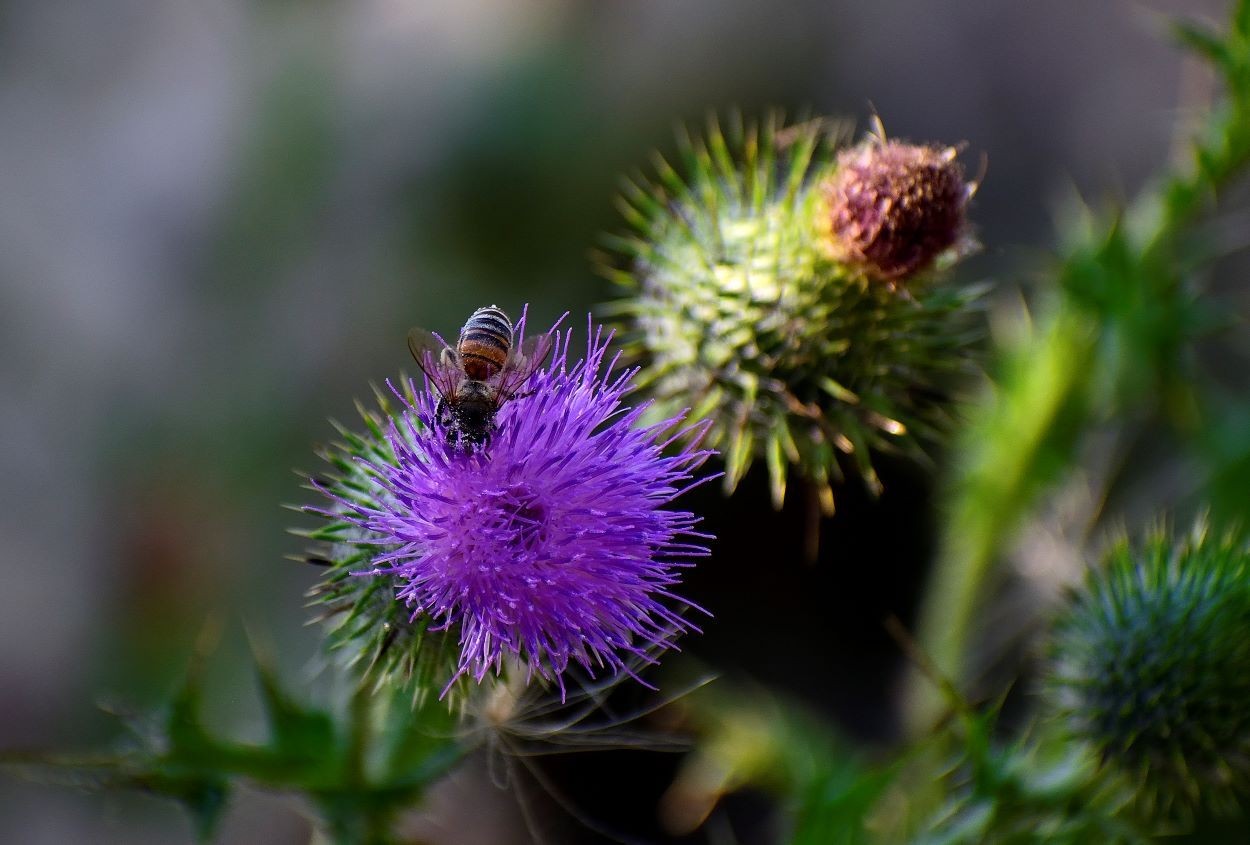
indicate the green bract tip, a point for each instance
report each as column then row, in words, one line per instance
column 805, row 349
column 1152, row 668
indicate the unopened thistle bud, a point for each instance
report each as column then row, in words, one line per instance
column 1152, row 668
column 783, row 293
column 546, row 547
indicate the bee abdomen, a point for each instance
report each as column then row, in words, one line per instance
column 485, row 342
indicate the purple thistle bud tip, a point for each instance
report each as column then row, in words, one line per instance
column 893, row 208
column 550, row 545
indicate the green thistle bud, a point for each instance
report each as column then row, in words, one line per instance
column 1152, row 668
column 743, row 305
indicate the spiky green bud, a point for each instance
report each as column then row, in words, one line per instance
column 1152, row 668
column 743, row 307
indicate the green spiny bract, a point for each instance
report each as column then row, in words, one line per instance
column 1152, row 668
column 365, row 620
column 743, row 305
column 1029, row 792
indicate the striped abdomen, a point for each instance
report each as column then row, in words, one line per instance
column 485, row 342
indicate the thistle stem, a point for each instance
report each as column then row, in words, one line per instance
column 359, row 821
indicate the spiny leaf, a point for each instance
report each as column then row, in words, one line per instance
column 297, row 733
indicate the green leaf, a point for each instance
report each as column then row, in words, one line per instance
column 204, row 799
column 189, row 742
column 833, row 810
column 1203, row 41
column 297, row 733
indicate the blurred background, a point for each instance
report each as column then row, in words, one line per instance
column 218, row 219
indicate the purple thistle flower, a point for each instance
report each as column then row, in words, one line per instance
column 550, row 545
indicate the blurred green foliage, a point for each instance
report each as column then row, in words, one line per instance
column 1108, row 345
column 357, row 765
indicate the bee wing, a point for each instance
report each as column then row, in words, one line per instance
column 436, row 359
column 537, row 349
column 534, row 353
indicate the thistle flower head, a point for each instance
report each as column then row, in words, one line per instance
column 893, row 208
column 548, row 546
column 1152, row 668
column 739, row 306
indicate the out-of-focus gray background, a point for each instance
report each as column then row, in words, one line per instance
column 218, row 218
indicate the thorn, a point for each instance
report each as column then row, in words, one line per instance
column 921, row 660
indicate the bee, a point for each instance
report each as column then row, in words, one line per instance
column 475, row 378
